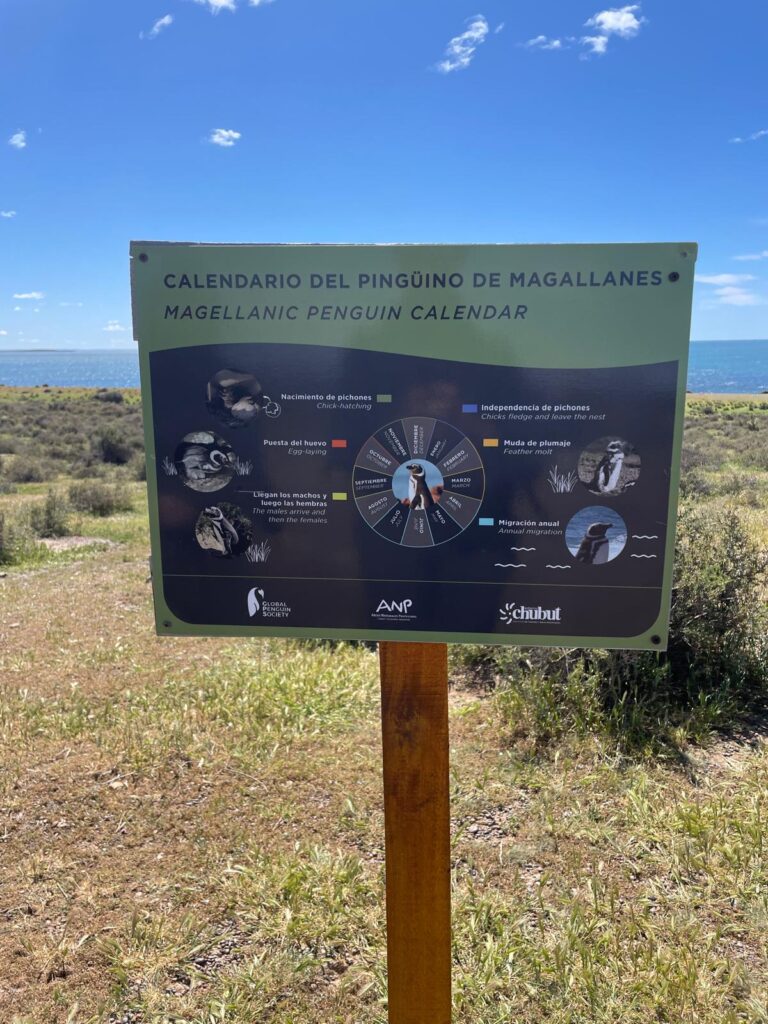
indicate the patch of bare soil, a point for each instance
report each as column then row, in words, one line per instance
column 58, row 544
column 732, row 752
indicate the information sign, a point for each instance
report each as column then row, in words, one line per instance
column 471, row 443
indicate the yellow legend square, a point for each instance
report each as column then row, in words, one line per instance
column 490, row 442
column 339, row 496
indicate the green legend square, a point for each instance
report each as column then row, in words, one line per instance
column 339, row 496
column 383, row 399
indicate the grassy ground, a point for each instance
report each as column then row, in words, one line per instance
column 192, row 830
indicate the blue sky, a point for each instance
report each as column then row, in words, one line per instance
column 328, row 120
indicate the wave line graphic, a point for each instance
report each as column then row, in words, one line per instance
column 510, row 565
column 522, row 549
column 644, row 556
column 563, row 566
column 645, row 536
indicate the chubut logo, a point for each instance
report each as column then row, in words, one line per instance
column 511, row 613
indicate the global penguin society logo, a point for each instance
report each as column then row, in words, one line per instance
column 255, row 597
column 259, row 606
column 511, row 613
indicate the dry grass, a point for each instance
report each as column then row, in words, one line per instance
column 192, row 833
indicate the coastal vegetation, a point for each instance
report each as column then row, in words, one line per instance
column 193, row 829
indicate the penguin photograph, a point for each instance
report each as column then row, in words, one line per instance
column 594, row 545
column 419, row 495
column 609, row 466
column 237, row 399
column 596, row 535
column 204, row 461
column 223, row 530
column 418, row 485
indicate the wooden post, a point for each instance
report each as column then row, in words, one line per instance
column 414, row 717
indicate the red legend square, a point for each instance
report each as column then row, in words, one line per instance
column 338, row 443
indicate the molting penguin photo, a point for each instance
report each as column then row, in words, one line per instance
column 237, row 399
column 204, row 461
column 223, row 530
column 609, row 466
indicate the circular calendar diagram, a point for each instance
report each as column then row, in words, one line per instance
column 418, row 482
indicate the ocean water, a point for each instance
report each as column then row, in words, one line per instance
column 715, row 366
column 71, row 368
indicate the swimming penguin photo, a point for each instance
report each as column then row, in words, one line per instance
column 594, row 548
column 237, row 398
column 204, row 461
column 419, row 495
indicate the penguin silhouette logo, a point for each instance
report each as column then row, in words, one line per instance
column 255, row 598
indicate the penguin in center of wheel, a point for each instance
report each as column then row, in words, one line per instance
column 419, row 495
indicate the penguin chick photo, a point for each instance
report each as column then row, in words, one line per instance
column 419, row 495
column 235, row 398
column 594, row 546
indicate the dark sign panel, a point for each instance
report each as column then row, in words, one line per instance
column 474, row 443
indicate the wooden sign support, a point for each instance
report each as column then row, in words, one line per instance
column 414, row 716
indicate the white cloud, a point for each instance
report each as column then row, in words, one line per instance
column 4, row 334
column 499, row 28
column 732, row 296
column 753, row 137
column 729, row 290
column 7, row 214
column 544, row 43
column 165, row 22
column 259, row 3
column 461, row 49
column 17, row 309
column 596, row 44
column 754, row 256
column 225, row 137
column 214, row 6
column 66, row 304
column 28, row 295
column 724, row 279
column 617, row 21
column 624, row 22
column 18, row 140
column 113, row 327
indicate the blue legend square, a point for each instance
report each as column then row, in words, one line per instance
column 469, row 407
column 485, row 522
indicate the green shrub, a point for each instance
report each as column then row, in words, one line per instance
column 138, row 467
column 23, row 470
column 715, row 668
column 51, row 518
column 112, row 446
column 16, row 540
column 100, row 499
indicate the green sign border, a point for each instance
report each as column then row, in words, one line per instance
column 650, row 331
